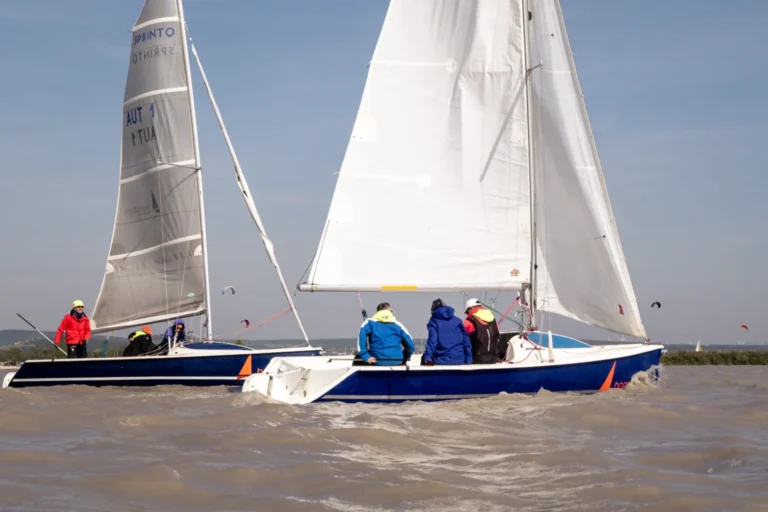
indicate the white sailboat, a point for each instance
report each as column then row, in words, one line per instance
column 472, row 140
column 698, row 346
column 157, row 268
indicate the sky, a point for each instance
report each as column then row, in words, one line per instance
column 676, row 97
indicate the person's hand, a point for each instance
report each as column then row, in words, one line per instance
column 429, row 363
column 371, row 360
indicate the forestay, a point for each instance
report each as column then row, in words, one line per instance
column 433, row 190
column 582, row 271
column 155, row 269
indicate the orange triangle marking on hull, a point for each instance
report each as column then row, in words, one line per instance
column 247, row 369
column 608, row 380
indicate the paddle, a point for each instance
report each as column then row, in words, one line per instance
column 41, row 333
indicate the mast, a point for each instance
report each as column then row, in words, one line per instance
column 198, row 169
column 527, row 17
column 268, row 246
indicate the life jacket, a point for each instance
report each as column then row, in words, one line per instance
column 140, row 343
column 484, row 340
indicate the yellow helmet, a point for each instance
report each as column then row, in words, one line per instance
column 77, row 303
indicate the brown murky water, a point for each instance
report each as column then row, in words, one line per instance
column 700, row 442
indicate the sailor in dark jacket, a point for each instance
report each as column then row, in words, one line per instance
column 448, row 341
column 139, row 342
column 484, row 335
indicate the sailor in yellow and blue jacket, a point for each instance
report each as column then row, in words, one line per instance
column 383, row 340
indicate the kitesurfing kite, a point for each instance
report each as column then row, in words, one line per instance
column 657, row 304
column 230, row 288
column 246, row 322
column 744, row 326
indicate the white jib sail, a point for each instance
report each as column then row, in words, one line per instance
column 582, row 271
column 155, row 268
column 433, row 190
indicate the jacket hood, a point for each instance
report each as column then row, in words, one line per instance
column 384, row 316
column 443, row 313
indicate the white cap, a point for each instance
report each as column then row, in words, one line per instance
column 472, row 303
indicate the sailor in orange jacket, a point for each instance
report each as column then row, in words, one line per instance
column 77, row 325
column 487, row 347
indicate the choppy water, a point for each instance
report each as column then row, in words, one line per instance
column 700, row 442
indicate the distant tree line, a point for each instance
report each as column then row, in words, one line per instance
column 15, row 355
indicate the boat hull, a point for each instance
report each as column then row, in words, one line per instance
column 489, row 380
column 200, row 364
column 585, row 370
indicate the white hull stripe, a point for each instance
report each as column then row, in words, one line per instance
column 116, row 379
column 185, row 163
column 155, row 248
column 168, row 90
column 168, row 19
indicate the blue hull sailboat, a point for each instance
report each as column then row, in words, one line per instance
column 472, row 144
column 192, row 364
column 157, row 268
column 298, row 380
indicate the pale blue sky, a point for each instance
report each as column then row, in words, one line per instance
column 675, row 90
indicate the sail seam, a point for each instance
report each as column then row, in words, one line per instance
column 156, row 169
column 154, row 248
column 167, row 90
column 166, row 19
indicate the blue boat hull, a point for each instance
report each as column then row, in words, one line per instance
column 434, row 384
column 209, row 368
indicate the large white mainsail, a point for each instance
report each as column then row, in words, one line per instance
column 582, row 272
column 433, row 191
column 156, row 268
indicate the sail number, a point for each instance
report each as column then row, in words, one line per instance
column 136, row 116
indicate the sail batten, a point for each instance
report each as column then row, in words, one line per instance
column 167, row 19
column 155, row 268
column 167, row 90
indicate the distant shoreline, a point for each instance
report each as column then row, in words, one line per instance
column 715, row 358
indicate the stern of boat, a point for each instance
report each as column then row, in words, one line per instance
column 7, row 378
column 298, row 380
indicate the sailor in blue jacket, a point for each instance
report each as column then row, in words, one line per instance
column 383, row 339
column 448, row 341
